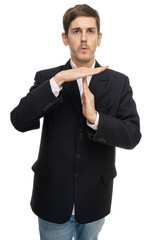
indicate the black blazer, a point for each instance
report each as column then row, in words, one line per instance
column 76, row 164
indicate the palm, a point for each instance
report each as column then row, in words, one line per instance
column 73, row 74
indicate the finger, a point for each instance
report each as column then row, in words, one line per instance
column 86, row 90
column 84, row 81
column 76, row 73
column 84, row 72
column 98, row 70
column 83, row 97
column 84, row 100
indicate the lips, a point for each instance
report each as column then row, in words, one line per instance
column 84, row 48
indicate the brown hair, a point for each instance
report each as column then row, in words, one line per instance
column 78, row 11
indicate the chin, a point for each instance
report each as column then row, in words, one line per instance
column 84, row 59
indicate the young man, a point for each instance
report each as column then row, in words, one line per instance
column 88, row 110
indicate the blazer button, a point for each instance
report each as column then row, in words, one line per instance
column 81, row 135
column 50, row 104
column 44, row 109
column 78, row 155
column 76, row 175
column 55, row 93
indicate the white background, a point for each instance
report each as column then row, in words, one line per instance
column 31, row 41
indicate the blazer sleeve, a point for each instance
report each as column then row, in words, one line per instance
column 123, row 130
column 36, row 104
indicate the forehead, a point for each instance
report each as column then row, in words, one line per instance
column 83, row 22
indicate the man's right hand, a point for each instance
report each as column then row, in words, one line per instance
column 73, row 74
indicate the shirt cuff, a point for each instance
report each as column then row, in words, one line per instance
column 54, row 87
column 94, row 125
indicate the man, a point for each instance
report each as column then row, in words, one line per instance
column 88, row 110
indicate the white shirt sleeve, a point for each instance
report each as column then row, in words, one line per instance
column 94, row 125
column 54, row 87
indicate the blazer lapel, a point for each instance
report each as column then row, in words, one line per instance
column 96, row 86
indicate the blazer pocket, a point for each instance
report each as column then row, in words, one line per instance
column 109, row 174
column 40, row 170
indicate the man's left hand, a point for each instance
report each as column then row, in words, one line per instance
column 88, row 106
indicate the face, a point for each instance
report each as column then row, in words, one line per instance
column 83, row 40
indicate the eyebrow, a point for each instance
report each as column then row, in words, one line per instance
column 78, row 28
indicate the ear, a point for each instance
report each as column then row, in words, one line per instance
column 64, row 38
column 99, row 39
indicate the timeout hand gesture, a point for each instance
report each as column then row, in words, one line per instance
column 88, row 106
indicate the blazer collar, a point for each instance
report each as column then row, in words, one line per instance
column 96, row 86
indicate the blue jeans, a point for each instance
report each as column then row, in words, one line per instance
column 70, row 229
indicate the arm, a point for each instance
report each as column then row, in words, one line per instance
column 40, row 100
column 124, row 129
column 36, row 104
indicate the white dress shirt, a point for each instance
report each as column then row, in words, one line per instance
column 56, row 89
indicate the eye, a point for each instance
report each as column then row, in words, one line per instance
column 76, row 31
column 91, row 31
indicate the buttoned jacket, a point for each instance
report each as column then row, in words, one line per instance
column 76, row 164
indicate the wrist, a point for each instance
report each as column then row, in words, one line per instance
column 92, row 119
column 58, row 80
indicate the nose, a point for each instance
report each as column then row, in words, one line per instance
column 84, row 37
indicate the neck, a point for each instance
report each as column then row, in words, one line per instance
column 83, row 64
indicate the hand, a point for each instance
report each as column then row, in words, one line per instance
column 88, row 106
column 73, row 74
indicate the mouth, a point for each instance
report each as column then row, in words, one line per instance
column 83, row 49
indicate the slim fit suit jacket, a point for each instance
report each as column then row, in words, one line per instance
column 76, row 164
